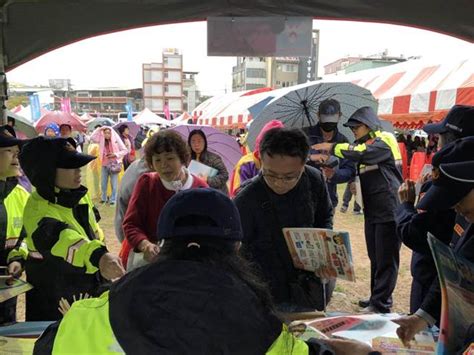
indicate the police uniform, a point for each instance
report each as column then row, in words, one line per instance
column 13, row 198
column 378, row 160
column 63, row 237
column 453, row 180
column 413, row 225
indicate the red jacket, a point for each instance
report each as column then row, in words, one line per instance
column 145, row 205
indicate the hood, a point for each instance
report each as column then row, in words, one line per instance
column 186, row 307
column 270, row 125
column 40, row 157
column 367, row 116
column 54, row 127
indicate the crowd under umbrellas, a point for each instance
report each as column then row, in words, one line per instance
column 298, row 107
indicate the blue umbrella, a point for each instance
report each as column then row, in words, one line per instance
column 103, row 121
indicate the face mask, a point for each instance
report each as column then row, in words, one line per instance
column 328, row 126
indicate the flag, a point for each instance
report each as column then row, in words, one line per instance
column 128, row 108
column 166, row 111
column 35, row 107
column 66, row 104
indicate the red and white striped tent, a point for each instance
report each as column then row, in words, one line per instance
column 415, row 92
column 229, row 110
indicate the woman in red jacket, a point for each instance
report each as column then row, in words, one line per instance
column 167, row 155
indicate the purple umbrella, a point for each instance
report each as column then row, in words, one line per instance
column 133, row 128
column 217, row 142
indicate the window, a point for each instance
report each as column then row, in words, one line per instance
column 289, row 68
column 166, row 89
column 256, row 73
column 165, row 74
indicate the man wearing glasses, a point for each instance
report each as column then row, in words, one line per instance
column 286, row 193
column 378, row 158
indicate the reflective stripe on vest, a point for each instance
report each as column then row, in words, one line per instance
column 96, row 338
column 14, row 206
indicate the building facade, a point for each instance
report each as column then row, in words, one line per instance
column 190, row 90
column 276, row 72
column 348, row 65
column 163, row 82
column 108, row 102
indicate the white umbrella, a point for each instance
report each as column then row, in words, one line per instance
column 146, row 117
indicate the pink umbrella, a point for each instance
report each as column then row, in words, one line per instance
column 59, row 117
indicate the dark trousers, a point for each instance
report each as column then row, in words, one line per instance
column 8, row 311
column 417, row 295
column 383, row 247
column 346, row 198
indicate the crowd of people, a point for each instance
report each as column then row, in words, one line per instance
column 203, row 266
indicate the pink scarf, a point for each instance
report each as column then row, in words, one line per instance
column 117, row 147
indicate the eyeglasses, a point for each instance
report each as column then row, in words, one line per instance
column 285, row 180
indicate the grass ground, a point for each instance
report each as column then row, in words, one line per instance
column 347, row 293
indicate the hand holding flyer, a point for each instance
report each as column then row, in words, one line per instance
column 314, row 249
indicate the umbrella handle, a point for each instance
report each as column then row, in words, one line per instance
column 306, row 111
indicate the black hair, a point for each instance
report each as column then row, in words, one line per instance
column 166, row 141
column 216, row 252
column 285, row 141
column 65, row 125
column 200, row 133
column 122, row 128
column 12, row 120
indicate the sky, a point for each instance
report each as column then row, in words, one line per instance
column 116, row 59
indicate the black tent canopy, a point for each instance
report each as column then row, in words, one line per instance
column 30, row 28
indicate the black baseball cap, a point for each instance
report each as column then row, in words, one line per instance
column 8, row 137
column 200, row 202
column 452, row 176
column 459, row 120
column 329, row 111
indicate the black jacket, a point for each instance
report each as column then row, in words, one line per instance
column 346, row 169
column 379, row 186
column 306, row 205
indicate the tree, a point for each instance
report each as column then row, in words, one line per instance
column 14, row 101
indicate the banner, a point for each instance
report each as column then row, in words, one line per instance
column 35, row 107
column 66, row 104
column 166, row 111
column 259, row 36
column 129, row 109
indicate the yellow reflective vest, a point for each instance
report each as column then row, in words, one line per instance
column 14, row 205
column 86, row 329
column 73, row 244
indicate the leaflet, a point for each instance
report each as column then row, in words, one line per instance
column 314, row 248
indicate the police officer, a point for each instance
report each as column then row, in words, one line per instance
column 13, row 198
column 336, row 171
column 378, row 157
column 65, row 243
column 413, row 225
column 453, row 187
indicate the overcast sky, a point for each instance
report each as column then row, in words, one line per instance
column 116, row 59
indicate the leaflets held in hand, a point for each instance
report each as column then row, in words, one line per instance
column 16, row 346
column 10, row 288
column 456, row 279
column 314, row 248
column 199, row 169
